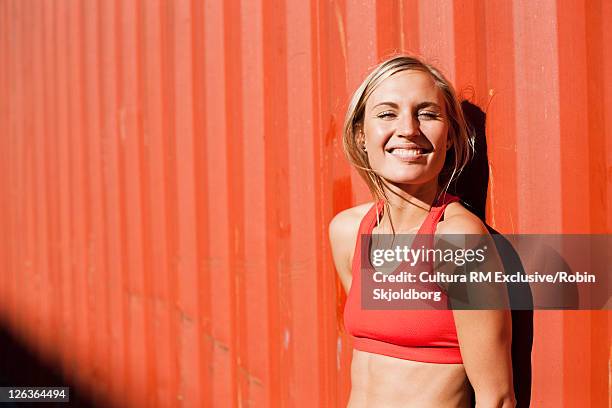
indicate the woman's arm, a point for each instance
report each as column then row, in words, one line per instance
column 342, row 237
column 485, row 336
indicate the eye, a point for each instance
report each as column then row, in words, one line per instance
column 428, row 115
column 386, row 115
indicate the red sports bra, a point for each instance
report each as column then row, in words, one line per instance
column 420, row 335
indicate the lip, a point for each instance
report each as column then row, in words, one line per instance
column 408, row 153
column 406, row 146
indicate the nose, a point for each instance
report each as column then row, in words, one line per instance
column 407, row 126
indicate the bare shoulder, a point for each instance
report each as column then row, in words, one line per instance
column 346, row 223
column 460, row 220
column 343, row 228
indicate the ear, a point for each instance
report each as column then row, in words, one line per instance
column 449, row 143
column 360, row 136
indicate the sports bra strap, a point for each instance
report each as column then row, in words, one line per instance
column 429, row 225
column 436, row 213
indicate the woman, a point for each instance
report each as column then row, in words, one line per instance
column 406, row 135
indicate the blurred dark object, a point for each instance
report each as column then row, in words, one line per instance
column 472, row 187
column 20, row 366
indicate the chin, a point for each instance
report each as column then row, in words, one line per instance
column 412, row 179
column 409, row 176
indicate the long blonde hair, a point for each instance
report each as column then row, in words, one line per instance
column 462, row 142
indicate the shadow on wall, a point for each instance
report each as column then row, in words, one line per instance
column 20, row 366
column 472, row 186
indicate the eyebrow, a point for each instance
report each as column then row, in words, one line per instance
column 425, row 104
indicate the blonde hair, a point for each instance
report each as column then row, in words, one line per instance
column 462, row 142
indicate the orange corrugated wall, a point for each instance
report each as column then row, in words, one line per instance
column 168, row 170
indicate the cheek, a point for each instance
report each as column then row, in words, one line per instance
column 436, row 132
column 375, row 133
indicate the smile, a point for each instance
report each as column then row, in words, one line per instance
column 408, row 154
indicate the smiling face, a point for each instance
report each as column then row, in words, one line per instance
column 405, row 129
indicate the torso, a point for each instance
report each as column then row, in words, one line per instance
column 383, row 381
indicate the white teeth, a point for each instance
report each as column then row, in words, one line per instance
column 406, row 152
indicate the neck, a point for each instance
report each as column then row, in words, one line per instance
column 408, row 196
column 409, row 203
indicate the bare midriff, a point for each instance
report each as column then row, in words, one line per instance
column 388, row 382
